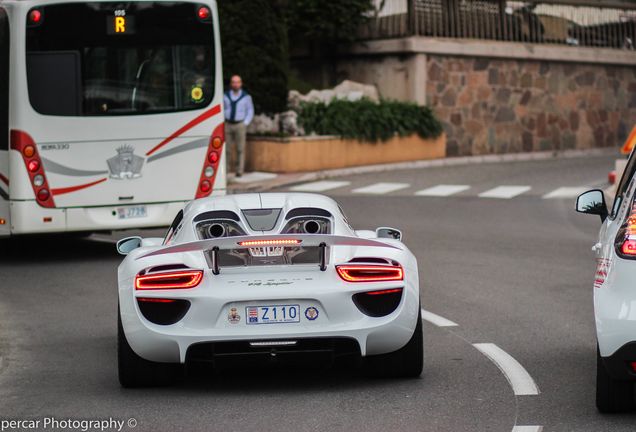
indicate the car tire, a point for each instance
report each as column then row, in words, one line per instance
column 135, row 371
column 612, row 396
column 407, row 362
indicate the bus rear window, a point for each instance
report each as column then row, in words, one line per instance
column 104, row 59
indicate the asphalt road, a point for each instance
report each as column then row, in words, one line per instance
column 514, row 272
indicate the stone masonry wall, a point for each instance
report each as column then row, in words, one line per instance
column 506, row 106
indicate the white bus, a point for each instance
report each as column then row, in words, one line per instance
column 110, row 113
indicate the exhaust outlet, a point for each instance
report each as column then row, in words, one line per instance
column 311, row 227
column 216, row 230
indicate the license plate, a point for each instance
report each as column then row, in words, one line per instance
column 132, row 212
column 274, row 314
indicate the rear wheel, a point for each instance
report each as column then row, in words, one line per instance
column 407, row 362
column 612, row 396
column 135, row 371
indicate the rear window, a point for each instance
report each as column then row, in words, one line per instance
column 102, row 59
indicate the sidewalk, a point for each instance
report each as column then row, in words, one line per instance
column 260, row 182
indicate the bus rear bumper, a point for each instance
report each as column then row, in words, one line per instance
column 27, row 217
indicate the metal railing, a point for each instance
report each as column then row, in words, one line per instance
column 591, row 23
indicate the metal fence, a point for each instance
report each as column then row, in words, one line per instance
column 609, row 24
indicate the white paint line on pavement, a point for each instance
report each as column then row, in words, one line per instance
column 102, row 240
column 520, row 380
column 320, row 186
column 527, row 429
column 442, row 190
column 381, row 188
column 253, row 177
column 565, row 192
column 437, row 320
column 505, row 192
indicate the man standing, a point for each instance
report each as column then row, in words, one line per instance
column 239, row 112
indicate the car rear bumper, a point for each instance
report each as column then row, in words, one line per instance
column 618, row 365
column 208, row 321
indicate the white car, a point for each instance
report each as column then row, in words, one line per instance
column 615, row 292
column 266, row 277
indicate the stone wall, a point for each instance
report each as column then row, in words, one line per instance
column 505, row 106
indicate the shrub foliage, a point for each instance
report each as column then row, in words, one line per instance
column 369, row 121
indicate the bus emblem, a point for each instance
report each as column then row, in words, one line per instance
column 126, row 165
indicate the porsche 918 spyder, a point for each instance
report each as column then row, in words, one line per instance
column 270, row 277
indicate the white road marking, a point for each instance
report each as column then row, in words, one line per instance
column 565, row 192
column 437, row 320
column 320, row 186
column 381, row 188
column 520, row 380
column 442, row 190
column 102, row 240
column 253, row 177
column 505, row 192
column 527, row 429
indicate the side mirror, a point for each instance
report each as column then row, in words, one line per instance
column 592, row 202
column 129, row 244
column 387, row 232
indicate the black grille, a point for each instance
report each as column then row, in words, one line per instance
column 309, row 351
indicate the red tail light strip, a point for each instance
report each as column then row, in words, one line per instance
column 206, row 182
column 23, row 143
column 169, row 280
column 370, row 273
column 283, row 242
column 154, row 300
column 389, row 291
column 198, row 120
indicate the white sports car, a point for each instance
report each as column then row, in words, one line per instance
column 266, row 277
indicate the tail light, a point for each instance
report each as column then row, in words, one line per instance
column 211, row 164
column 370, row 273
column 169, row 280
column 625, row 242
column 23, row 143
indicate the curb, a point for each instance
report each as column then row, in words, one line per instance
column 284, row 180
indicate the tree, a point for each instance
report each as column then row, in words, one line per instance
column 323, row 25
column 254, row 44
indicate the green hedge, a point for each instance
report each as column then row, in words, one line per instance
column 369, row 121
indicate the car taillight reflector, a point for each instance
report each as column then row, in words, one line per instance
column 171, row 280
column 282, row 242
column 370, row 273
column 154, row 300
column 384, row 292
column 629, row 247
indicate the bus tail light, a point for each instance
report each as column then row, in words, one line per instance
column 170, row 280
column 625, row 243
column 204, row 13
column 211, row 164
column 370, row 273
column 23, row 143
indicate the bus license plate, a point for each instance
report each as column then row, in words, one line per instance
column 132, row 212
column 275, row 314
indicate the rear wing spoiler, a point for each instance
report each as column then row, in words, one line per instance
column 246, row 242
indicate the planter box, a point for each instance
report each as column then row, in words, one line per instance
column 317, row 153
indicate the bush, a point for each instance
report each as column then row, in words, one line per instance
column 254, row 45
column 369, row 121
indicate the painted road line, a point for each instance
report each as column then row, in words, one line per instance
column 320, row 186
column 527, row 429
column 381, row 188
column 565, row 192
column 437, row 320
column 442, row 190
column 520, row 380
column 505, row 192
column 102, row 239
